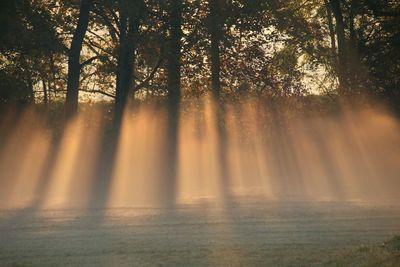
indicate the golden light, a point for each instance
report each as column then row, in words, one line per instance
column 260, row 150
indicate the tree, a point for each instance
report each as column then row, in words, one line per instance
column 174, row 51
column 342, row 45
column 174, row 95
column 74, row 66
column 131, row 48
column 129, row 20
column 28, row 40
column 216, row 32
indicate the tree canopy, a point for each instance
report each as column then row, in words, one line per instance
column 142, row 48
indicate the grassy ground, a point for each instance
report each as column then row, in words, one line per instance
column 386, row 254
column 251, row 234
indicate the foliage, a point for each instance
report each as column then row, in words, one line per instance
column 275, row 48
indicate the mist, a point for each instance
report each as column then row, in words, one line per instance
column 250, row 149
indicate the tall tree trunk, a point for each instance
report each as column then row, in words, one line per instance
column 357, row 74
column 71, row 104
column 174, row 94
column 174, row 51
column 216, row 31
column 52, row 82
column 332, row 35
column 126, row 51
column 45, row 94
column 342, row 46
column 216, row 36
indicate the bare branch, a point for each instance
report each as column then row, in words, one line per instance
column 95, row 91
column 90, row 60
column 150, row 77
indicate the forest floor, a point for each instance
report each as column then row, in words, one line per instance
column 245, row 233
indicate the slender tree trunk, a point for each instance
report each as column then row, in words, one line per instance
column 216, row 36
column 174, row 53
column 45, row 95
column 342, row 46
column 332, row 35
column 216, row 30
column 52, row 83
column 71, row 104
column 357, row 74
column 124, row 63
column 129, row 26
column 174, row 94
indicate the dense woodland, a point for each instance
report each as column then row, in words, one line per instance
column 119, row 50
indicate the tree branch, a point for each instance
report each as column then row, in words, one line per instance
column 98, row 92
column 114, row 33
column 95, row 91
column 150, row 77
column 90, row 60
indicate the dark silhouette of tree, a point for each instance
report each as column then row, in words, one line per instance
column 134, row 49
column 129, row 20
column 342, row 45
column 28, row 39
column 174, row 50
column 216, row 32
column 74, row 55
column 174, row 95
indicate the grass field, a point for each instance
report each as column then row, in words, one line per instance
column 242, row 233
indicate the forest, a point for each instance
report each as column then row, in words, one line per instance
column 199, row 132
column 115, row 51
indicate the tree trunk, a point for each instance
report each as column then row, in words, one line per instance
column 130, row 15
column 45, row 95
column 216, row 29
column 174, row 53
column 342, row 46
column 71, row 104
column 52, row 82
column 216, row 37
column 331, row 33
column 124, row 62
column 174, row 94
column 357, row 74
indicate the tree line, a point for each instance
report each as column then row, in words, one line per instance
column 124, row 49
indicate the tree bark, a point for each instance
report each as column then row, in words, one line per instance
column 174, row 94
column 342, row 46
column 358, row 77
column 174, row 50
column 216, row 30
column 71, row 104
column 125, row 61
column 331, row 31
column 45, row 95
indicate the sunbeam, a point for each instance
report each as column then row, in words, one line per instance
column 266, row 152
